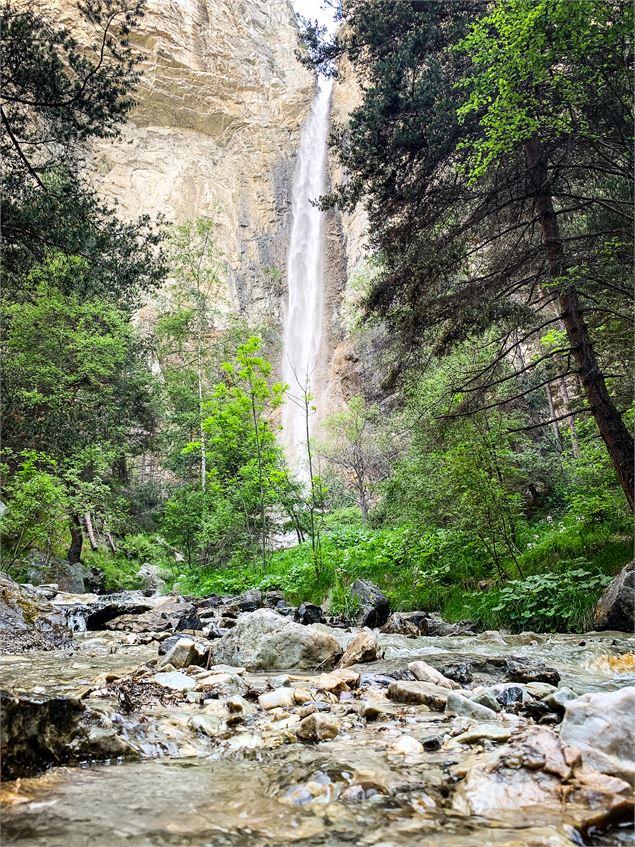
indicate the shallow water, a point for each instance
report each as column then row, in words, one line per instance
column 362, row 792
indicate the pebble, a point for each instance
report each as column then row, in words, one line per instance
column 280, row 698
column 317, row 727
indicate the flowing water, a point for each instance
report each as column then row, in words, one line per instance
column 305, row 278
column 233, row 793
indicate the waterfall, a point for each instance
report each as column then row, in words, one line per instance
column 305, row 278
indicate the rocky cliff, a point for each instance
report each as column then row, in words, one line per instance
column 215, row 132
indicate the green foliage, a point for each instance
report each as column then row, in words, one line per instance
column 548, row 602
column 36, row 504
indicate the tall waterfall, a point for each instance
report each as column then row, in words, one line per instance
column 305, row 276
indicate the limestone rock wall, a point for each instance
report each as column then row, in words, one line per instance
column 215, row 132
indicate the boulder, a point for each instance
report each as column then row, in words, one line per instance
column 363, row 648
column 28, row 620
column 264, row 640
column 602, row 727
column 43, row 569
column 537, row 771
column 38, row 733
column 616, row 607
column 399, row 625
column 94, row 580
column 375, row 606
column 170, row 613
column 150, row 578
column 426, row 693
column 308, row 613
column 185, row 652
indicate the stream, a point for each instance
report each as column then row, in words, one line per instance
column 257, row 785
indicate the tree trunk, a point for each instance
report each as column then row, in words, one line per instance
column 615, row 434
column 77, row 540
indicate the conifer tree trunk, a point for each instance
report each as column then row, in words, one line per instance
column 616, row 436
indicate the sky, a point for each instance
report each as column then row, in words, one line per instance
column 313, row 9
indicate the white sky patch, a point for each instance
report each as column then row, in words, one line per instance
column 313, row 9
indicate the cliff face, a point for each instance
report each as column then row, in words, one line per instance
column 215, row 132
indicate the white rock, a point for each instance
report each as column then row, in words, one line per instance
column 426, row 673
column 602, row 727
column 175, row 680
column 406, row 745
column 280, row 698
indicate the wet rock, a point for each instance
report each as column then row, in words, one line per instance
column 221, row 684
column 540, row 689
column 519, row 670
column 150, row 578
column 557, row 700
column 457, row 704
column 375, row 606
column 461, row 673
column 435, row 626
column 406, row 745
column 398, row 624
column 208, row 725
column 185, row 652
column 433, row 696
column 508, row 695
column 485, row 697
column 372, row 711
column 538, row 771
column 175, row 681
column 39, row 732
column 602, row 727
column 308, row 613
column 615, row 608
column 28, row 620
column 363, row 648
column 265, row 640
column 169, row 613
column 337, row 681
column 280, row 698
column 483, row 732
column 376, row 680
column 317, row 727
column 426, row 673
column 537, row 710
column 432, row 743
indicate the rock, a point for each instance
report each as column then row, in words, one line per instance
column 363, row 648
column 433, row 696
column 221, row 684
column 280, row 698
column 460, row 672
column 557, row 700
column 602, row 727
column 540, row 689
column 399, row 625
column 308, row 613
column 29, row 621
column 457, row 704
column 168, row 613
column 265, row 640
column 519, row 670
column 483, row 731
column 538, row 771
column 434, row 625
column 371, row 711
column 375, row 606
column 250, row 600
column 485, row 697
column 45, row 569
column 406, row 745
column 175, row 681
column 615, row 608
column 508, row 695
column 317, row 727
column 337, row 681
column 150, row 578
column 426, row 673
column 39, row 732
column 185, row 652
column 94, row 580
column 208, row 725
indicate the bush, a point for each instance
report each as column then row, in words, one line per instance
column 549, row 602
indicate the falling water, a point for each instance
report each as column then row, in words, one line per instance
column 305, row 278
